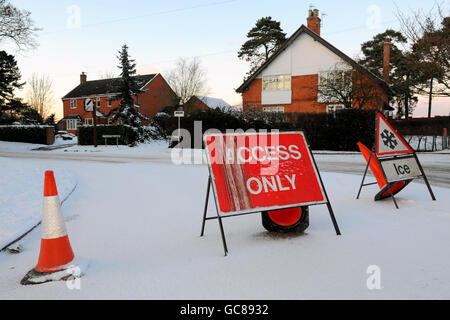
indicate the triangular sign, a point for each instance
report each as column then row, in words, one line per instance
column 389, row 142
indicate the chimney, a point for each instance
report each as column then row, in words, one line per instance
column 313, row 21
column 83, row 78
column 386, row 58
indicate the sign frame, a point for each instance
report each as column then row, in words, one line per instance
column 221, row 215
column 392, row 156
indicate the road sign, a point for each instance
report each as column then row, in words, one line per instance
column 89, row 104
column 389, row 142
column 392, row 161
column 399, row 169
column 257, row 172
column 262, row 172
column 179, row 114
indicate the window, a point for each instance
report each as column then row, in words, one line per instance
column 73, row 104
column 273, row 109
column 89, row 121
column 333, row 84
column 332, row 108
column 109, row 102
column 98, row 102
column 276, row 83
column 72, row 124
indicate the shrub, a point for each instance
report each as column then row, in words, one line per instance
column 23, row 133
column 339, row 131
column 128, row 134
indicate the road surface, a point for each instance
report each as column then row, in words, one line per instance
column 436, row 166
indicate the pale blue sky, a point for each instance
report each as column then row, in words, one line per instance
column 158, row 32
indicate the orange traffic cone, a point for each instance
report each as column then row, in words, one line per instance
column 56, row 252
column 396, row 187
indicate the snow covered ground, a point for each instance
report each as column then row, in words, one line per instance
column 138, row 225
column 21, row 190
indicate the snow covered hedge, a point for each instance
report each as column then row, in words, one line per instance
column 27, row 133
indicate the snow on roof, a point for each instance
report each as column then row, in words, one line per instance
column 214, row 102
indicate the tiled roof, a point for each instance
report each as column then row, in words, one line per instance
column 104, row 87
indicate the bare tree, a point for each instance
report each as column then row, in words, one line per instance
column 107, row 74
column 40, row 94
column 347, row 86
column 17, row 26
column 188, row 79
column 428, row 34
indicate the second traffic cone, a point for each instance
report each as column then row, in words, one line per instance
column 396, row 187
column 56, row 252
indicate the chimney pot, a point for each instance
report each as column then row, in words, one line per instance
column 313, row 21
column 83, row 78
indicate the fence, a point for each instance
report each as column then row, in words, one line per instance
column 427, row 143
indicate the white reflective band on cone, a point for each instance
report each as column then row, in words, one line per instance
column 53, row 226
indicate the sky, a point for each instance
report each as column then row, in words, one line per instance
column 85, row 36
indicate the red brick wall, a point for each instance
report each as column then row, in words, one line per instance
column 195, row 104
column 159, row 96
column 304, row 96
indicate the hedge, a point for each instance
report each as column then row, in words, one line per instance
column 340, row 131
column 128, row 135
column 23, row 133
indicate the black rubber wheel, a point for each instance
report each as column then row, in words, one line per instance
column 299, row 226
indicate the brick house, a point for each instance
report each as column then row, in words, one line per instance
column 204, row 103
column 157, row 95
column 289, row 80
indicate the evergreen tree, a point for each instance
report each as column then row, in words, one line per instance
column 126, row 112
column 402, row 76
column 264, row 38
column 9, row 81
column 9, row 76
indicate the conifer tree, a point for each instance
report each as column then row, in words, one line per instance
column 126, row 112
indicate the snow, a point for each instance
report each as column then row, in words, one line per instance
column 214, row 102
column 138, row 225
column 21, row 192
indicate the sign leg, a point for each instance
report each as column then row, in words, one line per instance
column 425, row 178
column 206, row 207
column 392, row 196
column 364, row 177
column 225, row 248
column 333, row 218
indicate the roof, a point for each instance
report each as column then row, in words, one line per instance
column 315, row 36
column 213, row 102
column 104, row 87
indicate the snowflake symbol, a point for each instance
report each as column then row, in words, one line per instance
column 389, row 139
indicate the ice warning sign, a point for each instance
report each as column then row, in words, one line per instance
column 389, row 142
column 262, row 171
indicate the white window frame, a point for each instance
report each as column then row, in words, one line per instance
column 72, row 124
column 73, row 103
column 332, row 108
column 89, row 121
column 282, row 82
column 273, row 109
column 330, row 75
column 108, row 102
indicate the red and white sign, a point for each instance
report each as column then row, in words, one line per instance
column 262, row 171
column 389, row 142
